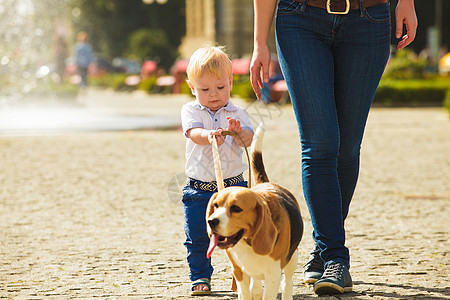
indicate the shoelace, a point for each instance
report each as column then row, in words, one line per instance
column 334, row 270
column 315, row 262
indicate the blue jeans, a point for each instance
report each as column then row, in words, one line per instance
column 197, row 240
column 332, row 65
column 83, row 72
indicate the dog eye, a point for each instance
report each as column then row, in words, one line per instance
column 216, row 205
column 235, row 209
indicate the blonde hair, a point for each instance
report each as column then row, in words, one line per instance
column 212, row 60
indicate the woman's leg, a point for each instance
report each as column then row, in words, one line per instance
column 361, row 49
column 332, row 71
column 306, row 58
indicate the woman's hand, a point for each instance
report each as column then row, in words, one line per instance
column 405, row 14
column 259, row 68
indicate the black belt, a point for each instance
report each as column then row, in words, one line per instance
column 212, row 186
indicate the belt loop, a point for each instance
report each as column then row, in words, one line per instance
column 303, row 7
column 361, row 7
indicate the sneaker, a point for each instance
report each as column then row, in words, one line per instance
column 335, row 280
column 314, row 267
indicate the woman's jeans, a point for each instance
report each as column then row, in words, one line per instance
column 197, row 240
column 332, row 65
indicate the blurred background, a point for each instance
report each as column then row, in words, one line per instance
column 143, row 45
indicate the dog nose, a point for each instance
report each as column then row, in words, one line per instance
column 213, row 223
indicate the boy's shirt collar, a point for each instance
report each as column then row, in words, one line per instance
column 229, row 107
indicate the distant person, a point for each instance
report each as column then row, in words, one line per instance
column 210, row 77
column 61, row 52
column 83, row 56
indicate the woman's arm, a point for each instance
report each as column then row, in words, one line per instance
column 264, row 11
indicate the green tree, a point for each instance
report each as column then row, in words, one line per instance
column 405, row 65
column 110, row 23
column 151, row 44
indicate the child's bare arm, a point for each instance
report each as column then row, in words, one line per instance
column 202, row 136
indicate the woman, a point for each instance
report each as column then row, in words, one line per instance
column 332, row 54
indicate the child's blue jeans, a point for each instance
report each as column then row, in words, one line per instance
column 197, row 239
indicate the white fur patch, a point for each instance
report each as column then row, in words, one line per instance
column 221, row 215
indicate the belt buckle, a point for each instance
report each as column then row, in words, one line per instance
column 347, row 8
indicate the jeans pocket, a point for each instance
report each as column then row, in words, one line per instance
column 378, row 13
column 288, row 7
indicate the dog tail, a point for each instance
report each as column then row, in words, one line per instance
column 259, row 172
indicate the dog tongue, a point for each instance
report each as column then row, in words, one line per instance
column 212, row 244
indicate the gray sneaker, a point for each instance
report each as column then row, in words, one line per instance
column 335, row 280
column 314, row 267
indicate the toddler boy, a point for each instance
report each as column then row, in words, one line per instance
column 210, row 77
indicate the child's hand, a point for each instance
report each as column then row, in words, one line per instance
column 216, row 134
column 246, row 135
column 234, row 125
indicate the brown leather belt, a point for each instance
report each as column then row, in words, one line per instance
column 340, row 6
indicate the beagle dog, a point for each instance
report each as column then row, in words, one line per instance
column 260, row 228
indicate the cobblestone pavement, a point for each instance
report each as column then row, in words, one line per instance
column 97, row 215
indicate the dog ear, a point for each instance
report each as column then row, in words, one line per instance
column 210, row 207
column 265, row 232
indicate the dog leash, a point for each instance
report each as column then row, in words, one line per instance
column 219, row 176
column 218, row 166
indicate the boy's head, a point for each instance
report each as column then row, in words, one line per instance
column 210, row 77
column 210, row 60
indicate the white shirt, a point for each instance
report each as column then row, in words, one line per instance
column 199, row 158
